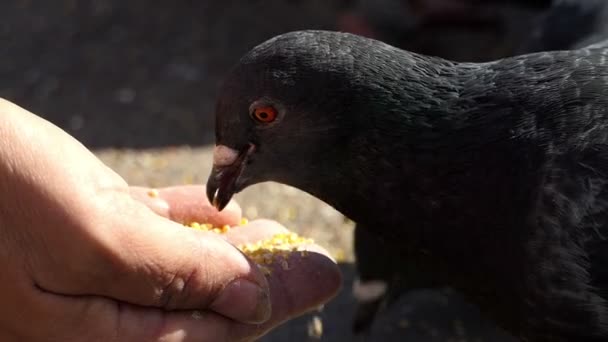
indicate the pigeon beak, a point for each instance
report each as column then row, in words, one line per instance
column 228, row 165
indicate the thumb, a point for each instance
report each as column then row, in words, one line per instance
column 149, row 260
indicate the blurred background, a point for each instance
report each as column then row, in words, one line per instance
column 135, row 81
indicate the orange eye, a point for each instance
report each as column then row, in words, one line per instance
column 265, row 114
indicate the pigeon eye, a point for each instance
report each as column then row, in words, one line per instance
column 264, row 114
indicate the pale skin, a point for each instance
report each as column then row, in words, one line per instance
column 85, row 257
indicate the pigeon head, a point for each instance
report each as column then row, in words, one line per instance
column 278, row 113
column 298, row 108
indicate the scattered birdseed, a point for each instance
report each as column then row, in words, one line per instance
column 315, row 327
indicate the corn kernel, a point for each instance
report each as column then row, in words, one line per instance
column 153, row 193
column 244, row 221
column 315, row 327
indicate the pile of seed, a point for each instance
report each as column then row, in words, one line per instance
column 273, row 250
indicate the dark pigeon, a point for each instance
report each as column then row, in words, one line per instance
column 569, row 24
column 399, row 22
column 492, row 177
column 566, row 25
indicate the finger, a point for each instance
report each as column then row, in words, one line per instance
column 309, row 281
column 301, row 284
column 144, row 259
column 263, row 229
column 186, row 204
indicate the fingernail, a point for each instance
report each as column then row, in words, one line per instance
column 244, row 301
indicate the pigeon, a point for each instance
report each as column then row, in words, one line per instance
column 565, row 24
column 400, row 22
column 492, row 177
column 568, row 25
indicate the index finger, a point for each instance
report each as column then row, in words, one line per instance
column 300, row 278
column 308, row 283
column 299, row 282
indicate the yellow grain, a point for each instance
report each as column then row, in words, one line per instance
column 273, row 250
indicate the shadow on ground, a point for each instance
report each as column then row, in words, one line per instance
column 420, row 316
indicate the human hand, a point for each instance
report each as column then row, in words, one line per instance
column 87, row 258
